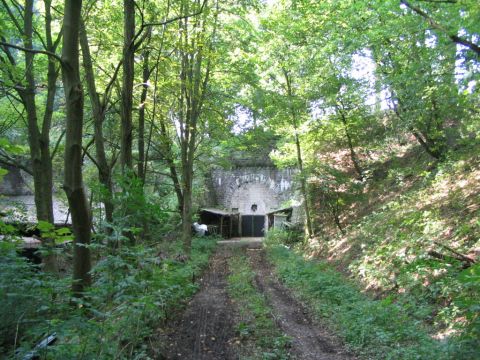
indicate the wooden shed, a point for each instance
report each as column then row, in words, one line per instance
column 278, row 218
column 221, row 222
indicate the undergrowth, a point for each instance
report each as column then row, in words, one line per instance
column 379, row 329
column 261, row 337
column 133, row 292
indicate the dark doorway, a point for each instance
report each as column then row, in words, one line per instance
column 253, row 225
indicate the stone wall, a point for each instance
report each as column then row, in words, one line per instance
column 267, row 187
column 14, row 183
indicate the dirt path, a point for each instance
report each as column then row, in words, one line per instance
column 309, row 340
column 206, row 330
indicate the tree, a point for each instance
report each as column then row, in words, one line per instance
column 26, row 88
column 99, row 109
column 126, row 159
column 453, row 36
column 196, row 41
column 73, row 181
column 303, row 176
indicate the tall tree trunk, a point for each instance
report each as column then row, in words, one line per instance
column 426, row 144
column 187, row 213
column 303, row 179
column 98, row 112
column 73, row 182
column 141, row 118
column 193, row 87
column 166, row 140
column 167, row 154
column 126, row 159
column 39, row 141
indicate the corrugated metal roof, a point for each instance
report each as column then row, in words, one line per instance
column 290, row 208
column 219, row 211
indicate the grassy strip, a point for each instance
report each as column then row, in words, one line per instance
column 262, row 339
column 376, row 329
column 132, row 294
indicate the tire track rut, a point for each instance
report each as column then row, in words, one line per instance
column 309, row 340
column 205, row 331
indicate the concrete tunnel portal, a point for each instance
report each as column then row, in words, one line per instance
column 250, row 192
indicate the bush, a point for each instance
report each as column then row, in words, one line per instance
column 133, row 293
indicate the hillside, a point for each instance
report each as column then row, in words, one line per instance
column 410, row 239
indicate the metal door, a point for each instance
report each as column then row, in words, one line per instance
column 253, row 225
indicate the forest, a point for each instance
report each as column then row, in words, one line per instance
column 117, row 117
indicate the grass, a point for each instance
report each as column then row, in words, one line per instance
column 403, row 233
column 374, row 329
column 260, row 337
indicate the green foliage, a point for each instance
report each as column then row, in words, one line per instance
column 333, row 191
column 13, row 149
column 49, row 231
column 20, row 295
column 467, row 300
column 138, row 212
column 379, row 329
column 134, row 291
column 360, row 90
column 3, row 172
column 288, row 237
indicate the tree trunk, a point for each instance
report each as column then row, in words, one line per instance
column 424, row 143
column 166, row 141
column 303, row 186
column 193, row 86
column 73, row 181
column 187, row 219
column 353, row 154
column 98, row 112
column 168, row 155
column 303, row 180
column 126, row 159
column 39, row 141
column 141, row 118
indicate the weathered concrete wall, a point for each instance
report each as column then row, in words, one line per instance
column 267, row 187
column 14, row 183
column 22, row 208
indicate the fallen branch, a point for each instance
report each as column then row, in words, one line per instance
column 464, row 259
column 458, row 255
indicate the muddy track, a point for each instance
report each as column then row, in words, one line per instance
column 205, row 331
column 309, row 340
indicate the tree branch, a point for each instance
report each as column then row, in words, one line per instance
column 48, row 53
column 455, row 38
column 9, row 161
column 13, row 18
column 57, row 144
column 136, row 44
